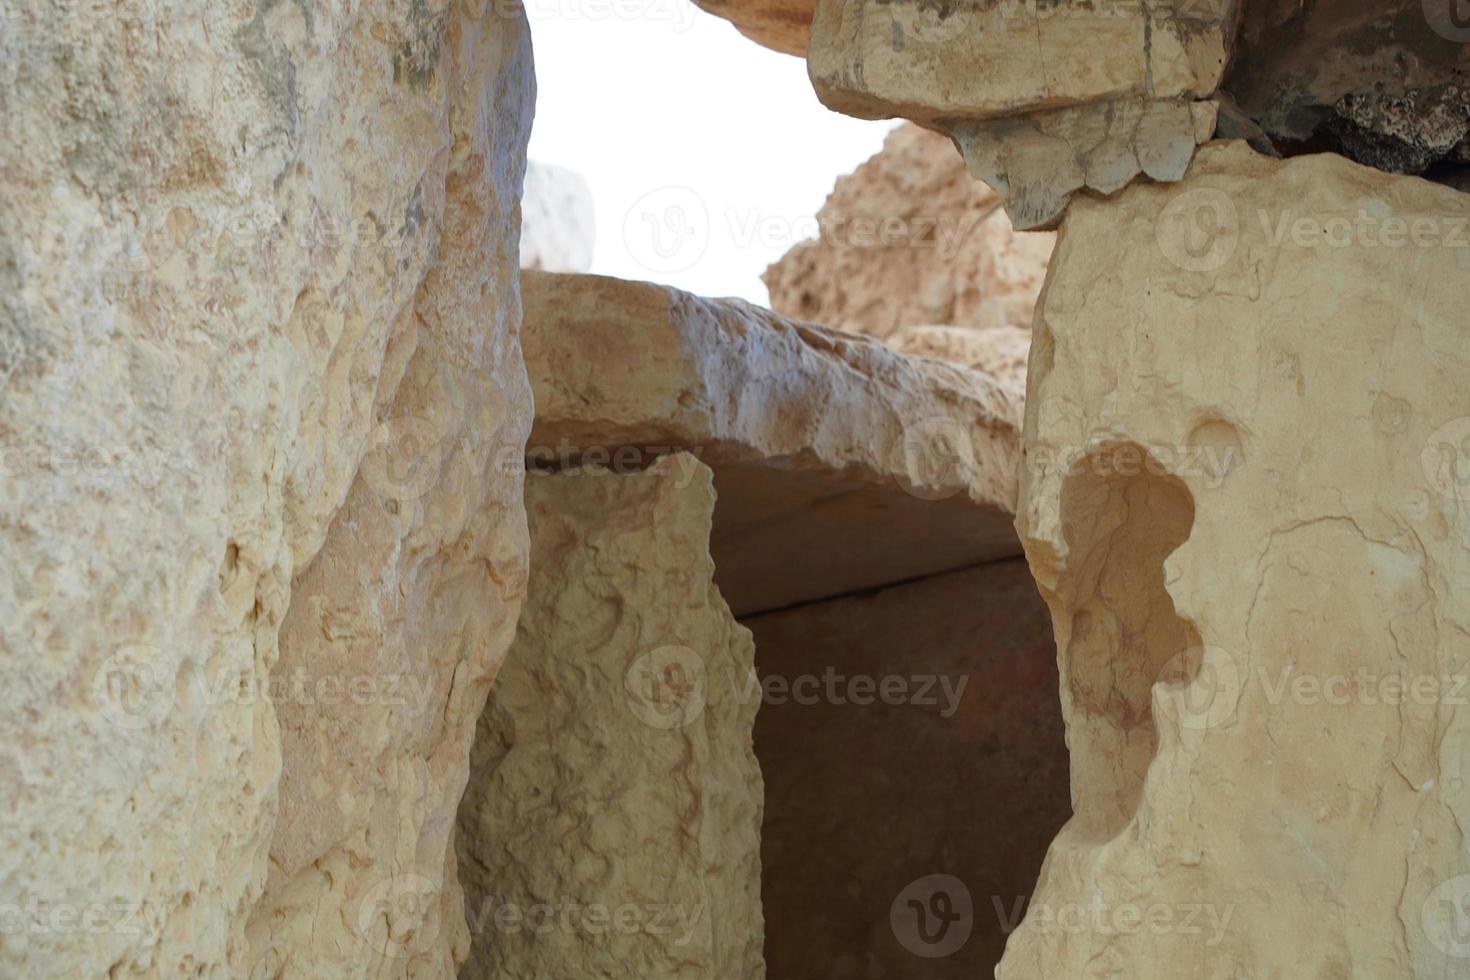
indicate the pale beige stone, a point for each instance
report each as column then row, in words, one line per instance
column 558, row 220
column 982, row 60
column 1038, row 161
column 781, row 25
column 910, row 238
column 1000, row 352
column 906, row 734
column 213, row 231
column 811, row 433
column 1245, row 502
column 398, row 624
column 613, row 776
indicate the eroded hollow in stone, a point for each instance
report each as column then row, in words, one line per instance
column 906, row 734
column 1122, row 516
column 845, row 505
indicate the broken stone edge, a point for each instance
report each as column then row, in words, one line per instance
column 615, row 363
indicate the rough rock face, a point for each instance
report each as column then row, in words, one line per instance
column 906, row 735
column 1000, row 352
column 417, row 585
column 230, row 244
column 1038, row 161
column 1383, row 83
column 911, row 238
column 782, row 25
column 1045, row 99
column 611, row 823
column 811, row 432
column 880, row 58
column 558, row 221
column 1245, row 503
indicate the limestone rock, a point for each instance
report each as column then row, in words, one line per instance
column 611, row 823
column 1000, row 352
column 1245, row 501
column 781, row 25
column 558, row 221
column 811, row 432
column 217, row 233
column 983, row 60
column 909, row 734
column 911, row 238
column 411, row 602
column 1038, row 161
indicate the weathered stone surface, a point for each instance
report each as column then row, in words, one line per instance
column 1383, row 83
column 910, row 238
column 1000, row 352
column 558, row 221
column 412, row 600
column 811, row 433
column 1260, row 662
column 904, row 735
column 976, row 60
column 613, row 778
column 1038, row 161
column 782, row 25
column 216, row 241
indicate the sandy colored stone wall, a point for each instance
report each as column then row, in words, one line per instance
column 1245, row 504
column 911, row 239
column 238, row 249
column 911, row 743
column 611, row 823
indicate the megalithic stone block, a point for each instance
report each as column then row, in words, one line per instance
column 1246, row 499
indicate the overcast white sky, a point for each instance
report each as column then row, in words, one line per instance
column 707, row 153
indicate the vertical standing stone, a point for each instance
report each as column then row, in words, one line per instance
column 611, row 823
column 1246, row 500
column 238, row 239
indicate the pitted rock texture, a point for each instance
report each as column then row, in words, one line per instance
column 932, row 62
column 1000, row 352
column 217, row 234
column 558, row 220
column 811, row 432
column 1383, row 83
column 910, row 238
column 906, row 734
column 614, row 792
column 411, row 602
column 1038, row 161
column 1245, row 502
